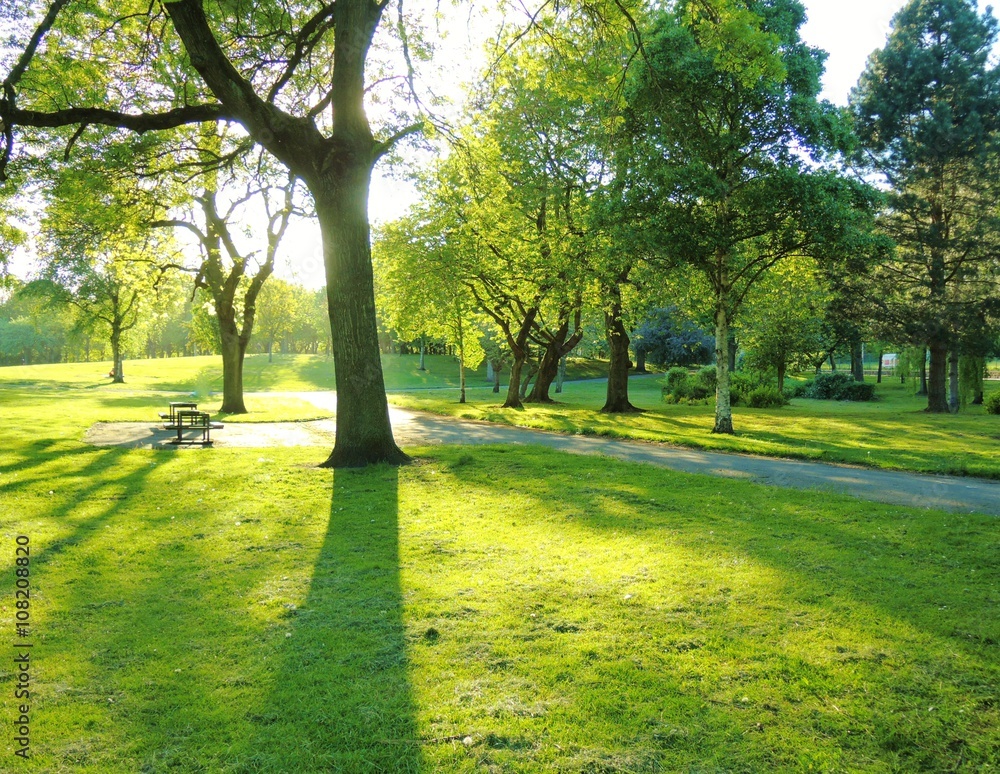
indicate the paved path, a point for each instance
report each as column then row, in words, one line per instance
column 415, row 428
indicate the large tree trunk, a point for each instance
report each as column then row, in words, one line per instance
column 723, row 404
column 233, row 351
column 640, row 361
column 364, row 434
column 937, row 379
column 514, row 385
column 617, row 401
column 548, row 369
column 954, row 397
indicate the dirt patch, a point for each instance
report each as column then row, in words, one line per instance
column 143, row 435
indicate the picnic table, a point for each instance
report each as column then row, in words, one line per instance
column 170, row 418
column 183, row 416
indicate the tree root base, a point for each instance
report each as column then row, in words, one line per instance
column 360, row 458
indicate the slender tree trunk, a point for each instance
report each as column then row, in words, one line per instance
column 937, row 379
column 489, row 371
column 461, row 375
column 857, row 360
column 617, row 401
column 422, row 349
column 561, row 376
column 364, row 433
column 954, row 398
column 496, row 378
column 878, row 378
column 833, row 362
column 118, row 375
column 723, row 404
column 532, row 372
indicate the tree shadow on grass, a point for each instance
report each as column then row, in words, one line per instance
column 342, row 700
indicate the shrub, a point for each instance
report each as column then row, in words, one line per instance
column 992, row 403
column 676, row 380
column 766, row 397
column 830, row 386
column 707, row 377
column 798, row 390
column 676, row 385
column 859, row 391
column 838, row 386
column 742, row 383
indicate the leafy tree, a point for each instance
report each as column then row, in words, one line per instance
column 276, row 307
column 927, row 110
column 783, row 321
column 294, row 78
column 666, row 339
column 721, row 111
column 98, row 257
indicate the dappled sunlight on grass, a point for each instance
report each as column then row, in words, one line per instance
column 247, row 611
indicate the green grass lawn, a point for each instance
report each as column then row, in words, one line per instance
column 893, row 432
column 286, row 373
column 495, row 609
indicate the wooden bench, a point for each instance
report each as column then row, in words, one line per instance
column 187, row 420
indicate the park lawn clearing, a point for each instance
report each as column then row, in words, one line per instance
column 893, row 432
column 234, row 610
column 285, row 373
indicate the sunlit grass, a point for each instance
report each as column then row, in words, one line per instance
column 286, row 373
column 893, row 432
column 228, row 610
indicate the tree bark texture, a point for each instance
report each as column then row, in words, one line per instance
column 617, row 401
column 364, row 434
column 878, row 378
column 118, row 373
column 234, row 349
column 723, row 399
column 857, row 360
column 561, row 376
column 937, row 378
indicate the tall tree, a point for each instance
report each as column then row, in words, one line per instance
column 927, row 110
column 294, row 78
column 722, row 110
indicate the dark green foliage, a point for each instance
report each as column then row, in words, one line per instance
column 766, row 397
column 800, row 390
column 681, row 387
column 742, row 383
column 993, row 403
column 838, row 386
column 666, row 339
